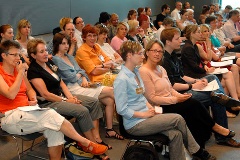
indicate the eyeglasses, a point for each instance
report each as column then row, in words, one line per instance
column 92, row 35
column 15, row 55
column 140, row 53
column 156, row 51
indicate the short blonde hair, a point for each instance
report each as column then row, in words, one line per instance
column 32, row 47
column 132, row 25
column 123, row 24
column 63, row 21
column 129, row 47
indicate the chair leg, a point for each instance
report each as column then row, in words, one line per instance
column 22, row 151
column 19, row 156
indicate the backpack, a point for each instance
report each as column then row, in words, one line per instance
column 140, row 152
column 74, row 152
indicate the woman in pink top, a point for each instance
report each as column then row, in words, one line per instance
column 122, row 30
column 159, row 91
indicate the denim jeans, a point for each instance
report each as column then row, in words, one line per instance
column 218, row 111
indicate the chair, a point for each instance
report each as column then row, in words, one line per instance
column 161, row 139
column 29, row 137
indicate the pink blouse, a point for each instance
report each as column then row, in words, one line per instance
column 158, row 90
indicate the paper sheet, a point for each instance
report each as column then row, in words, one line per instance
column 228, row 58
column 212, row 86
column 219, row 71
column 31, row 108
column 221, row 64
column 158, row 109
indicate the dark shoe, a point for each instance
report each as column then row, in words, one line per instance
column 204, row 156
column 224, row 100
column 116, row 135
column 229, row 142
column 105, row 144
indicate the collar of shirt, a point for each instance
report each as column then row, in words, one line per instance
column 96, row 48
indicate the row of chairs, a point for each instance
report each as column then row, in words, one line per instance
column 151, row 139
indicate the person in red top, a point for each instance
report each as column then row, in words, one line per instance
column 16, row 91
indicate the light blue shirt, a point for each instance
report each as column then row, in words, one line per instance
column 68, row 73
column 126, row 99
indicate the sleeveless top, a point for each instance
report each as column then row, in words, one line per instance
column 21, row 98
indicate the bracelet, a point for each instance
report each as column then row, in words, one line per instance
column 64, row 99
column 189, row 86
column 102, row 65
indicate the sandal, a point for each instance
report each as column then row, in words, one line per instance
column 116, row 136
column 105, row 144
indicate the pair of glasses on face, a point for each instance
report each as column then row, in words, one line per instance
column 156, row 51
column 14, row 55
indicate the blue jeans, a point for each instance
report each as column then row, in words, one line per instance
column 218, row 111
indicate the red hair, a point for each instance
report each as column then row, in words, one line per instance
column 89, row 29
column 142, row 18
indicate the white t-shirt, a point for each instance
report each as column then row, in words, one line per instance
column 108, row 50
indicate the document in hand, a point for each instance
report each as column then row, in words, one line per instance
column 31, row 108
column 221, row 64
column 212, row 86
column 228, row 58
column 219, row 71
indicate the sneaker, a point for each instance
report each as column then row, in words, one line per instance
column 94, row 148
column 204, row 156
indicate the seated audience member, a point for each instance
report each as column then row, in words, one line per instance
column 186, row 5
column 148, row 11
column 159, row 92
column 194, row 67
column 16, row 91
column 185, row 84
column 217, row 8
column 6, row 32
column 136, row 33
column 77, row 81
column 175, row 13
column 79, row 24
column 112, row 26
column 183, row 22
column 69, row 30
column 229, row 27
column 91, row 57
column 132, row 15
column 204, row 14
column 212, row 9
column 104, row 18
column 167, row 23
column 120, row 37
column 218, row 37
column 225, row 12
column 160, row 17
column 23, row 36
column 144, row 23
column 141, row 11
column 139, row 116
column 190, row 19
column 53, row 92
column 62, row 22
column 107, row 49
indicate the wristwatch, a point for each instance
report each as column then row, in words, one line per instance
column 102, row 65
